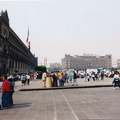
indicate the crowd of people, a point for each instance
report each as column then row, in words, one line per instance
column 94, row 76
column 8, row 87
column 58, row 79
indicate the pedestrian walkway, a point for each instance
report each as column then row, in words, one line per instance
column 38, row 85
column 64, row 104
column 81, row 84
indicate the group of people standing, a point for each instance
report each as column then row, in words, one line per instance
column 25, row 79
column 7, row 92
column 8, row 87
column 94, row 76
column 59, row 78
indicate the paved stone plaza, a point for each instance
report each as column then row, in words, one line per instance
column 65, row 104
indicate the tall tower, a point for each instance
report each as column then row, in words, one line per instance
column 45, row 62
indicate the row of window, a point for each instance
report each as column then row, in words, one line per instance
column 16, row 65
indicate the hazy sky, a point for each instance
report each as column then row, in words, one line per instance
column 59, row 27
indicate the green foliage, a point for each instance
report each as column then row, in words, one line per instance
column 16, row 71
column 40, row 68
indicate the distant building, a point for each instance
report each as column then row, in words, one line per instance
column 15, row 56
column 114, row 63
column 86, row 61
column 118, row 63
column 55, row 65
column 45, row 62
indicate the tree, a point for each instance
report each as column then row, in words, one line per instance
column 16, row 71
column 41, row 68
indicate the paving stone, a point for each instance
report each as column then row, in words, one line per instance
column 64, row 104
column 60, row 115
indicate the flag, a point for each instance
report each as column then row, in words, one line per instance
column 27, row 36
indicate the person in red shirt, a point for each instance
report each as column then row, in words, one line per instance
column 5, row 93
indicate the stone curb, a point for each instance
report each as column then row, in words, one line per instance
column 71, row 87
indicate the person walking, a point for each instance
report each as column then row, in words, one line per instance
column 75, row 79
column 5, row 93
column 116, row 80
column 35, row 77
column 28, row 79
column 23, row 79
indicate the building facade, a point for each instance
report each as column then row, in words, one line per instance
column 55, row 65
column 15, row 56
column 86, row 61
column 118, row 63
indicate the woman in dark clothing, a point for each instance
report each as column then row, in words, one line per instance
column 12, row 83
column 116, row 80
column 75, row 79
column 54, row 76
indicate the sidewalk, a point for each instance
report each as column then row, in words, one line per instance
column 107, row 82
column 64, row 104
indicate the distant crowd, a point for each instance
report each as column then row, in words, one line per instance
column 71, row 77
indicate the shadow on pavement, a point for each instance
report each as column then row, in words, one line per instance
column 69, row 87
column 22, row 105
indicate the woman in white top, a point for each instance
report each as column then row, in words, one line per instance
column 116, row 81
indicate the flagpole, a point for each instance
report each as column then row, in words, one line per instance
column 28, row 45
column 27, row 34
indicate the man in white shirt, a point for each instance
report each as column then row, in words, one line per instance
column 44, row 75
column 28, row 79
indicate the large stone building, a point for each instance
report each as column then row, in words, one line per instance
column 86, row 61
column 55, row 65
column 118, row 63
column 15, row 56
